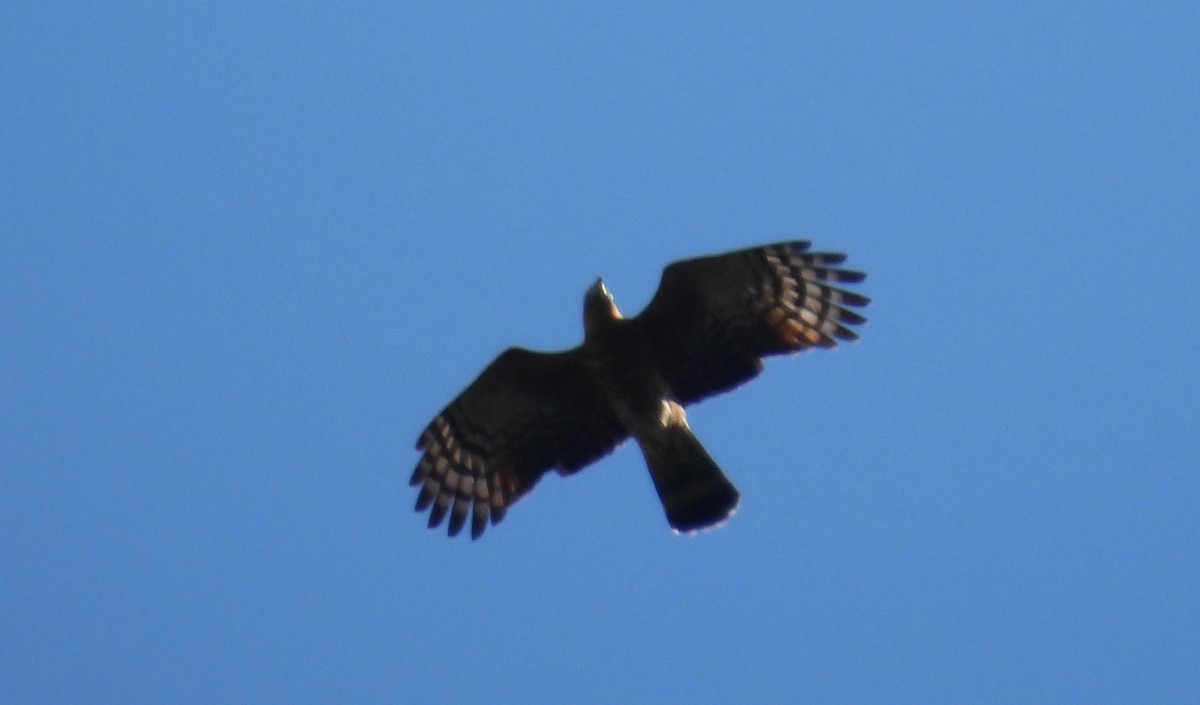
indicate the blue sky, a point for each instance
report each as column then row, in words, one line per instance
column 249, row 251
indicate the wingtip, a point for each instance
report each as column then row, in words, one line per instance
column 458, row 518
column 478, row 525
column 438, row 513
column 425, row 496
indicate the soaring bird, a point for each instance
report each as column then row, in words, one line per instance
column 706, row 331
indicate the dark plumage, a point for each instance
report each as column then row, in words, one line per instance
column 706, row 331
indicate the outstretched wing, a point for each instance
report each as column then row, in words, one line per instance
column 526, row 413
column 714, row 318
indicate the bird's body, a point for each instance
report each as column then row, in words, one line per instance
column 693, row 490
column 705, row 331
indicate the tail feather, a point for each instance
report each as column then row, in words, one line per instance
column 693, row 490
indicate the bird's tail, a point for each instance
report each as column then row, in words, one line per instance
column 694, row 492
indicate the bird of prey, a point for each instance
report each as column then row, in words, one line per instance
column 706, row 331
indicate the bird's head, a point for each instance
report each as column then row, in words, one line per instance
column 598, row 307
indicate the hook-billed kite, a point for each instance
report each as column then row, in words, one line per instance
column 706, row 331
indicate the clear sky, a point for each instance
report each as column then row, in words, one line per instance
column 250, row 249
